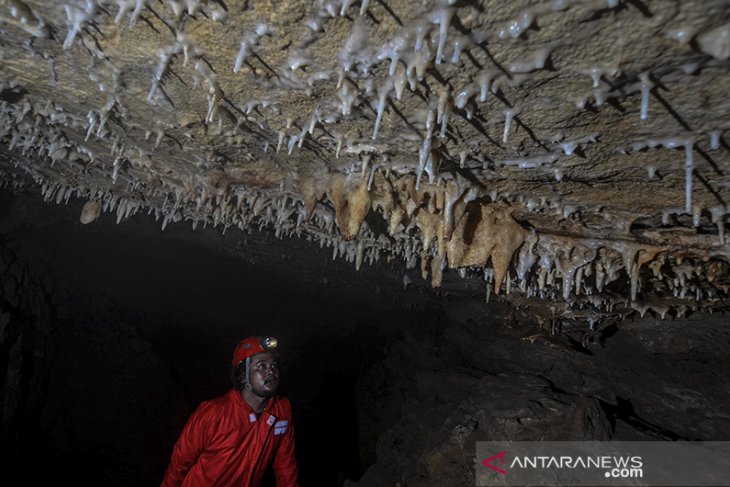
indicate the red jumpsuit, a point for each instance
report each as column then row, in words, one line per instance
column 225, row 444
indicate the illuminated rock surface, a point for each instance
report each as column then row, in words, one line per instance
column 569, row 149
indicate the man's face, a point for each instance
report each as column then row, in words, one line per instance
column 264, row 374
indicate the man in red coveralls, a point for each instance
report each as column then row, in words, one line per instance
column 234, row 439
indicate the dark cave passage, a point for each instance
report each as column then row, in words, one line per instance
column 113, row 334
column 138, row 327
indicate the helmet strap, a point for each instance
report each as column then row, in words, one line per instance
column 247, row 380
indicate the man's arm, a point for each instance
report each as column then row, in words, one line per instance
column 285, row 462
column 187, row 449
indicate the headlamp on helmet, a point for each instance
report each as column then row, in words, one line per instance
column 253, row 345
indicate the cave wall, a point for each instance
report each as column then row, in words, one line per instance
column 107, row 349
column 26, row 318
column 489, row 373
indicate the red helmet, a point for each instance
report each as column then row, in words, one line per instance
column 251, row 346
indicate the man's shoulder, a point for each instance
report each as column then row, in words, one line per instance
column 282, row 407
column 227, row 400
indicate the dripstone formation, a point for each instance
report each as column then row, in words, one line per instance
column 566, row 150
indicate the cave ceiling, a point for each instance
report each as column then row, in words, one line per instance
column 570, row 151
